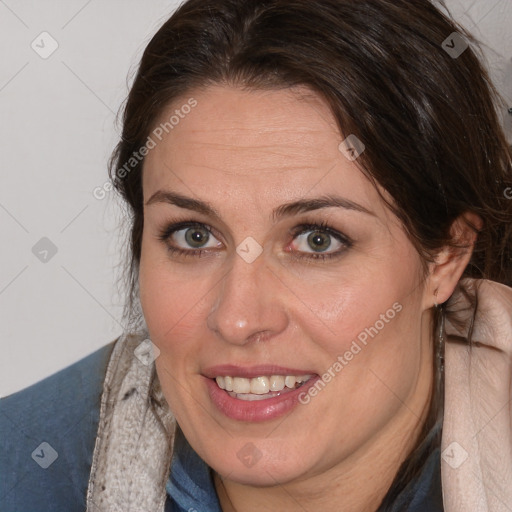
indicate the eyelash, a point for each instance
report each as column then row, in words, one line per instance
column 322, row 227
column 170, row 229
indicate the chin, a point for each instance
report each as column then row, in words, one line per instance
column 260, row 468
column 259, row 476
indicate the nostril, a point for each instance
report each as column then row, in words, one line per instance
column 258, row 336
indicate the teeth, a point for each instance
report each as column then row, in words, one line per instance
column 241, row 385
column 249, row 397
column 221, row 382
column 259, row 385
column 276, row 383
column 289, row 381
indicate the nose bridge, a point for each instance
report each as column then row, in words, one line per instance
column 246, row 304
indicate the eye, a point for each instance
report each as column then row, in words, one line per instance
column 319, row 241
column 188, row 237
column 316, row 241
column 196, row 237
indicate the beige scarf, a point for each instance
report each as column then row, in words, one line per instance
column 132, row 455
column 476, row 443
column 133, row 450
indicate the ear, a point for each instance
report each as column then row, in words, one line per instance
column 450, row 262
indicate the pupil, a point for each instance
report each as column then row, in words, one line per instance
column 196, row 237
column 319, row 241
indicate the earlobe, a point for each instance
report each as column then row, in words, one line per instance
column 451, row 261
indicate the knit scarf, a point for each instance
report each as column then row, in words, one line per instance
column 133, row 449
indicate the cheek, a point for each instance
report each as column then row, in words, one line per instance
column 173, row 309
column 366, row 328
column 172, row 323
column 360, row 302
column 172, row 303
column 377, row 358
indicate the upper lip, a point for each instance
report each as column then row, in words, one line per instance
column 250, row 372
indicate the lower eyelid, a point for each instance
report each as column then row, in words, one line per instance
column 168, row 233
column 335, row 238
column 343, row 240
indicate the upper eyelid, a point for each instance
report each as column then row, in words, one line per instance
column 295, row 231
column 166, row 232
column 322, row 227
column 174, row 227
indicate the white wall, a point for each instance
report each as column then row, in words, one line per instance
column 57, row 130
column 491, row 21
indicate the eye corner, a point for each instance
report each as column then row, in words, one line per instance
column 174, row 236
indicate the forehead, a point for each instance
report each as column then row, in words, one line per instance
column 279, row 143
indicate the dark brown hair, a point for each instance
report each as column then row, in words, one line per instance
column 427, row 118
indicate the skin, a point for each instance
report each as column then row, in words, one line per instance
column 246, row 153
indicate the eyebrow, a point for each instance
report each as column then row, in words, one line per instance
column 285, row 210
column 317, row 203
column 166, row 197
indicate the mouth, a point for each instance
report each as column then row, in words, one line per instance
column 256, row 394
column 262, row 387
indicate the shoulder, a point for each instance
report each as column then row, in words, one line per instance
column 47, row 435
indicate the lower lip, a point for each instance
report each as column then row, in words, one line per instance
column 256, row 410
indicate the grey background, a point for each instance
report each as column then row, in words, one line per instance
column 58, row 127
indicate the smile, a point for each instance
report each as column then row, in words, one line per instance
column 258, row 393
column 260, row 388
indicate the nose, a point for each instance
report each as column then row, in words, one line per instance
column 247, row 304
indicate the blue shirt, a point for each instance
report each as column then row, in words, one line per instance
column 47, row 436
column 59, row 417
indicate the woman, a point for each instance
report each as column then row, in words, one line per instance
column 320, row 270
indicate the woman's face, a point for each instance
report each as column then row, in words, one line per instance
column 281, row 266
